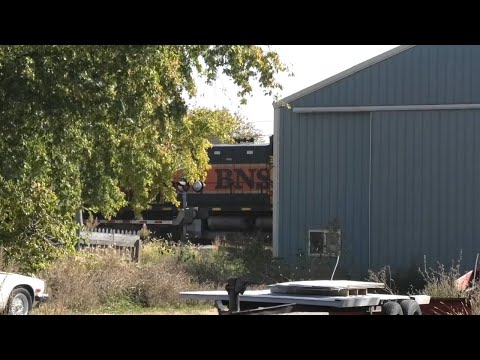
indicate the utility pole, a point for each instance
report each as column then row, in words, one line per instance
column 79, row 220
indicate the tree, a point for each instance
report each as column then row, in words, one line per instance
column 235, row 126
column 88, row 123
column 245, row 129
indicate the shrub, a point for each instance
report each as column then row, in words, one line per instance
column 34, row 226
column 384, row 275
column 7, row 266
column 90, row 280
column 474, row 297
column 216, row 264
column 160, row 283
column 214, row 267
column 253, row 253
column 145, row 234
column 87, row 280
column 442, row 282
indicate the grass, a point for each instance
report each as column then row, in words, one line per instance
column 125, row 306
column 105, row 282
column 136, row 310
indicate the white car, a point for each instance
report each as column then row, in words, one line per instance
column 19, row 294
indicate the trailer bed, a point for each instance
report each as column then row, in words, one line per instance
column 266, row 296
column 314, row 295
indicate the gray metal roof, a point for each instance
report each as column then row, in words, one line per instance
column 342, row 75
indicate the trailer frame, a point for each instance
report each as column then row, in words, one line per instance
column 290, row 297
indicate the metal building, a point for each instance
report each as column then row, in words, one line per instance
column 390, row 149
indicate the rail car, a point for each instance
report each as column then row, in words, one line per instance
column 236, row 199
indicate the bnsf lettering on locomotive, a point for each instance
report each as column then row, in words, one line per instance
column 264, row 176
column 225, row 179
column 248, row 180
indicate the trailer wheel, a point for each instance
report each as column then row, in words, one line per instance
column 410, row 307
column 392, row 308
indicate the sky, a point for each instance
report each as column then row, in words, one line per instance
column 310, row 64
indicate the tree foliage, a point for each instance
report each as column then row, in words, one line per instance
column 234, row 125
column 32, row 229
column 246, row 129
column 91, row 122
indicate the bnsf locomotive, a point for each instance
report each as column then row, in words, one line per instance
column 236, row 198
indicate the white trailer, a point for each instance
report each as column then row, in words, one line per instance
column 316, row 296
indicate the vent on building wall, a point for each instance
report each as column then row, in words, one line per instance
column 324, row 242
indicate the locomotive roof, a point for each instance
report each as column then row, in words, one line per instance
column 237, row 145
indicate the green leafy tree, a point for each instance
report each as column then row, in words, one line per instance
column 32, row 229
column 234, row 126
column 246, row 129
column 89, row 123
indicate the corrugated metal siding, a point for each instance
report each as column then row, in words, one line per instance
column 425, row 183
column 425, row 188
column 323, row 162
column 424, row 74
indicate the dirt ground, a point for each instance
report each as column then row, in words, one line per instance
column 212, row 311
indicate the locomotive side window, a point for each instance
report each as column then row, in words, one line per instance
column 249, row 152
column 323, row 243
column 217, row 152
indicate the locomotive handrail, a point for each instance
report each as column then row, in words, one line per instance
column 258, row 188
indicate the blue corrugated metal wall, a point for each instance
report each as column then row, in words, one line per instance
column 323, row 176
column 425, row 187
column 425, row 165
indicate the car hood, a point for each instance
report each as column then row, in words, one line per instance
column 20, row 278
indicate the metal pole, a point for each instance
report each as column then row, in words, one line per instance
column 184, row 199
column 79, row 220
column 184, row 227
column 370, row 196
column 233, row 289
column 475, row 271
